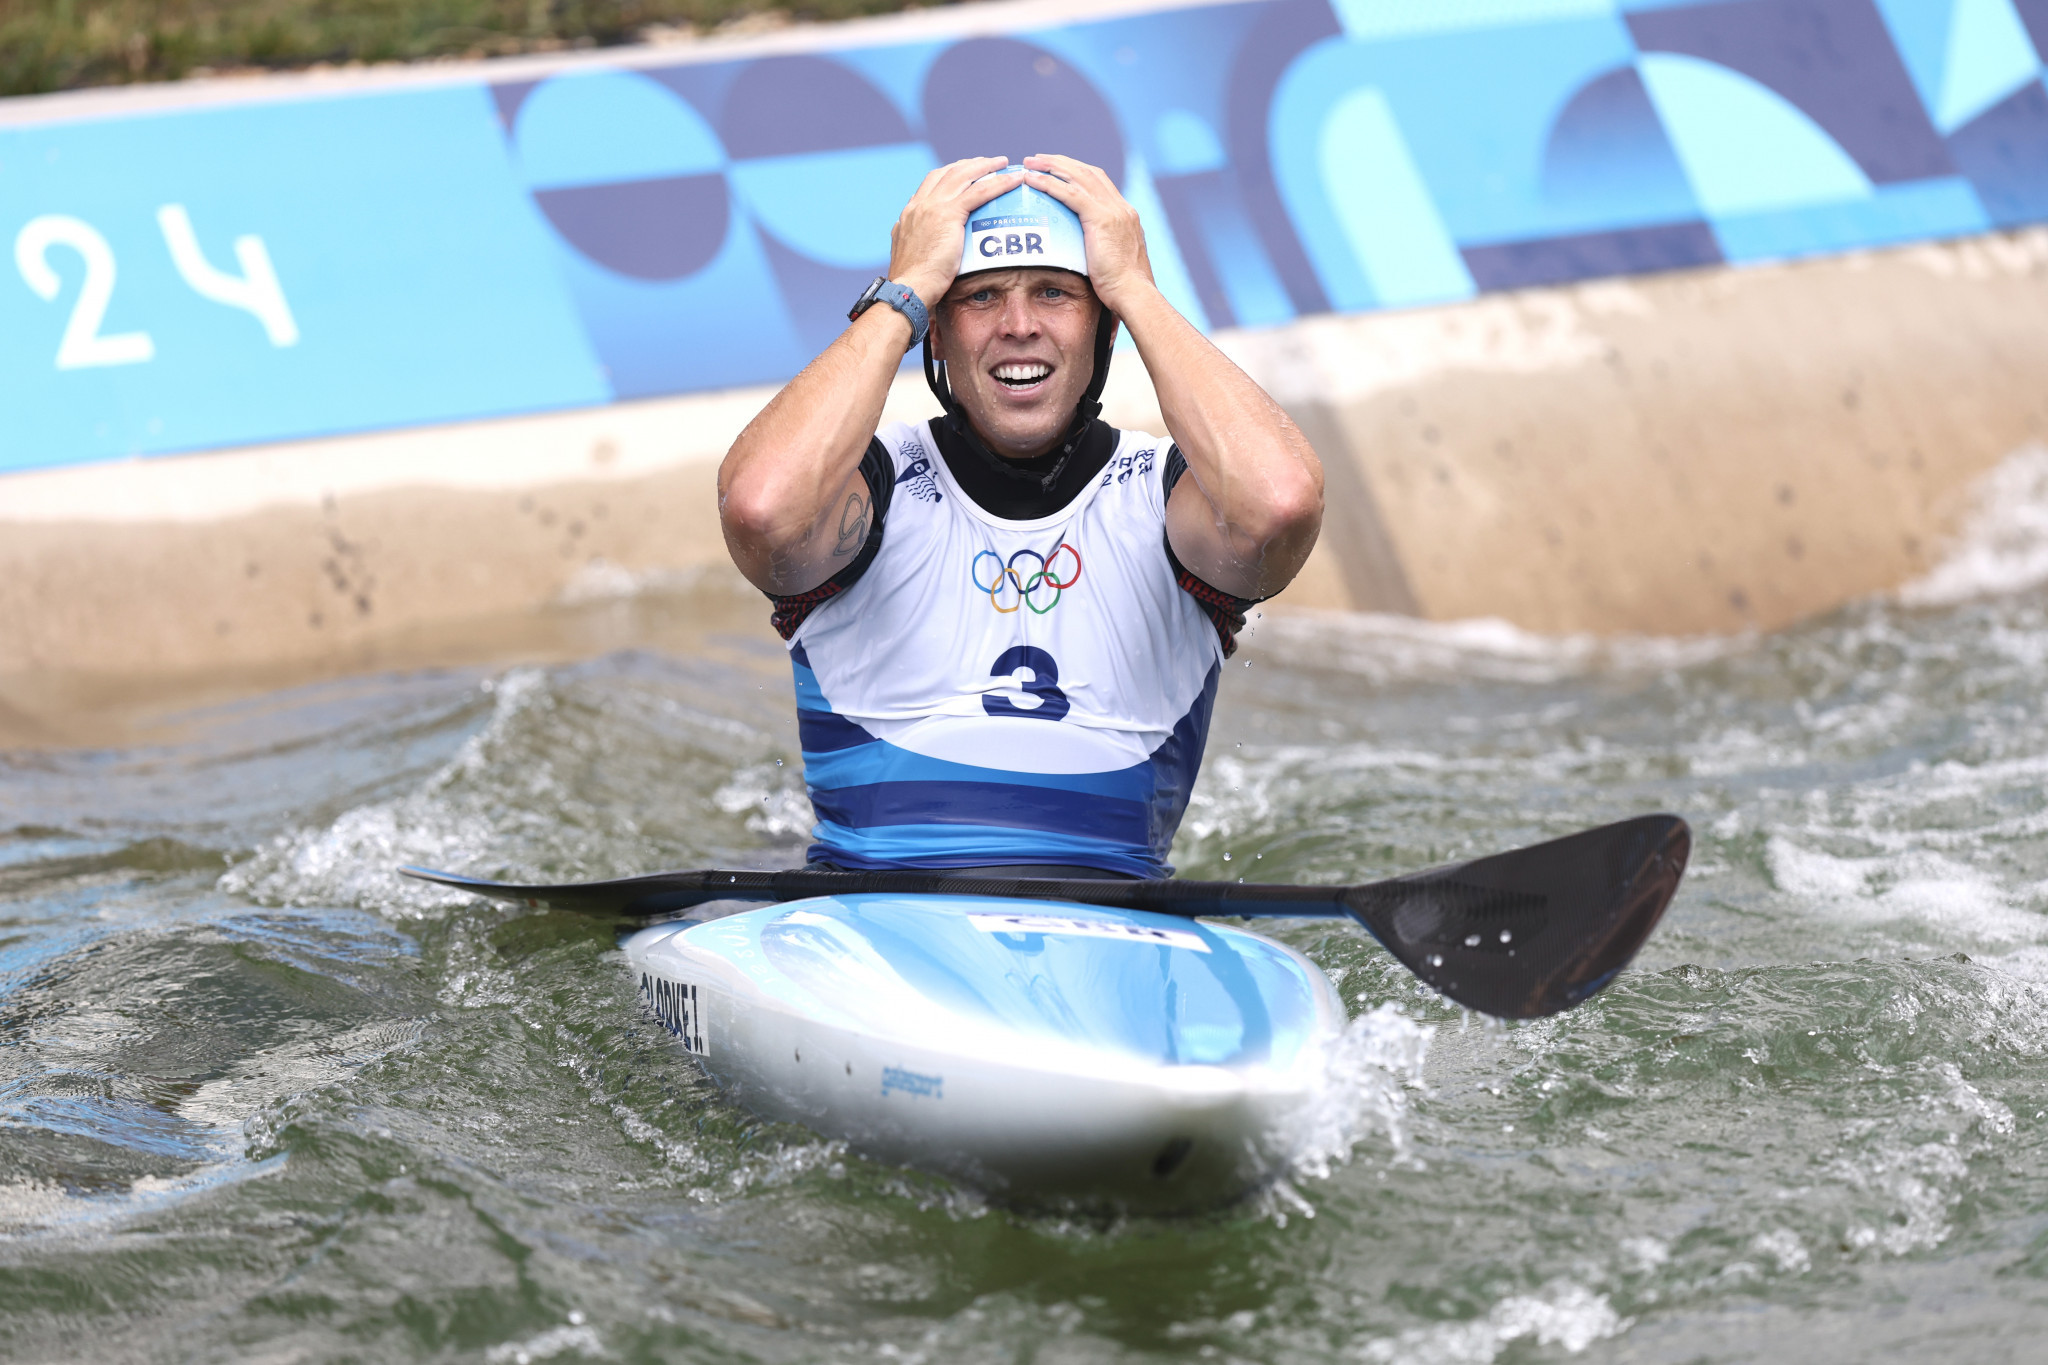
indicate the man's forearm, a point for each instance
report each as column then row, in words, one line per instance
column 1258, row 474
column 790, row 499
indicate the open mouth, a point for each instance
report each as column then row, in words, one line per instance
column 1019, row 376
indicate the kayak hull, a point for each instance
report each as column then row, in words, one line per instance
column 1042, row 1052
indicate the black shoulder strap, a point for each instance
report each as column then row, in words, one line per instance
column 879, row 473
column 1224, row 610
column 1176, row 465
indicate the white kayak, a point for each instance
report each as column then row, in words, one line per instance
column 1040, row 1051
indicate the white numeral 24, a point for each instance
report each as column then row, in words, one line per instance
column 255, row 291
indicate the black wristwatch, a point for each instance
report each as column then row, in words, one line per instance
column 901, row 297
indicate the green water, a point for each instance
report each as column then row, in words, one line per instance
column 259, row 1100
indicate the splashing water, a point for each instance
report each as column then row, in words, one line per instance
column 2004, row 545
column 1370, row 1071
column 1562, row 1314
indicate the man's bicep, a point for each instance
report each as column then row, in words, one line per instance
column 1202, row 542
column 850, row 530
column 781, row 555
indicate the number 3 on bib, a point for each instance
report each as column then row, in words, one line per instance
column 1050, row 703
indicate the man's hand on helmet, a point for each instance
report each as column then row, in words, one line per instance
column 924, row 246
column 1117, row 262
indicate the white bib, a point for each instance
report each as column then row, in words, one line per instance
column 995, row 691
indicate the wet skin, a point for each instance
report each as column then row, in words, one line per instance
column 1019, row 347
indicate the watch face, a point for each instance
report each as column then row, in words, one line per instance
column 867, row 297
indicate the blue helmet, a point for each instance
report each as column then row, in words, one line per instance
column 1025, row 228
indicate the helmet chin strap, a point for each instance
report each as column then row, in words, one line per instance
column 1086, row 411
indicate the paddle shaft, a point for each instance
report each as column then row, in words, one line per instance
column 668, row 892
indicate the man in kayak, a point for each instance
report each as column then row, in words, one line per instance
column 1007, row 624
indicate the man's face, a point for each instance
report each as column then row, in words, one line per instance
column 1019, row 347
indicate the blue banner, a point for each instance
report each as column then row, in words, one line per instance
column 188, row 279
column 247, row 274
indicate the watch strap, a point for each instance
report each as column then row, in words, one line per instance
column 902, row 298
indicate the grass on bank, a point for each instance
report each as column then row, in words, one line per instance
column 63, row 44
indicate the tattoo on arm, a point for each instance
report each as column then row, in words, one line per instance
column 853, row 526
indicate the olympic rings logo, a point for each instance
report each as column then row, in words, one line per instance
column 1039, row 587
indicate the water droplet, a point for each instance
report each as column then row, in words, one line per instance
column 1436, row 959
column 1507, row 936
column 1471, row 940
column 778, row 762
column 1226, row 857
column 576, row 1318
column 1507, row 1127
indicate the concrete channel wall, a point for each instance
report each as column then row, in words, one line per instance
column 1701, row 452
column 395, row 350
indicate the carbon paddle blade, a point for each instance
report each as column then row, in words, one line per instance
column 1529, row 933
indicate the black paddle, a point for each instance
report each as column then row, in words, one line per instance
column 1520, row 934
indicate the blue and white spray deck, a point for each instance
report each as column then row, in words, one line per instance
column 1036, row 1050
